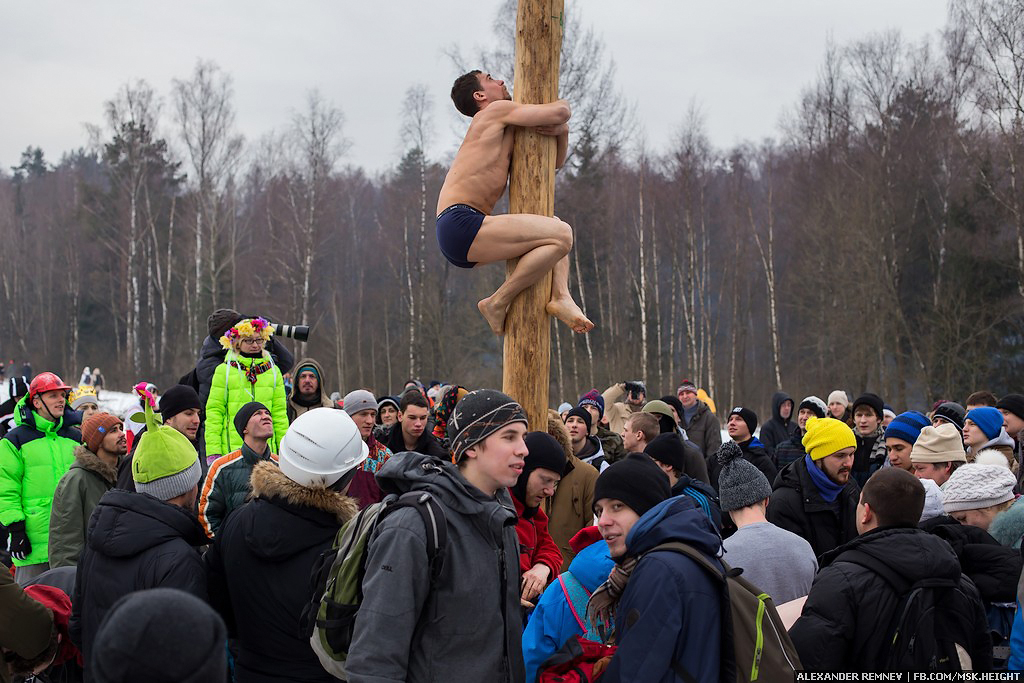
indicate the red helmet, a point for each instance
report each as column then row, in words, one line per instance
column 46, row 381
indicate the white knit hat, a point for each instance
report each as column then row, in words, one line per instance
column 974, row 486
column 990, row 456
column 839, row 396
column 932, row 500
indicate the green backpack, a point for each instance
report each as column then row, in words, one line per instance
column 337, row 579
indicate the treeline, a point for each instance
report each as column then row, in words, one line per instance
column 877, row 243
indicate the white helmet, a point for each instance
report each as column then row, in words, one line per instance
column 320, row 447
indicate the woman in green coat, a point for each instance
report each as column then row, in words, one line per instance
column 248, row 373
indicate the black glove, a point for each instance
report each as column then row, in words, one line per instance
column 20, row 546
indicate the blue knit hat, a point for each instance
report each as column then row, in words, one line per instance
column 907, row 426
column 988, row 419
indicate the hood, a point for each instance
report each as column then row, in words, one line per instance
column 778, row 398
column 409, row 471
column 754, row 447
column 1008, row 525
column 291, row 518
column 598, row 453
column 1003, row 439
column 87, row 460
column 675, row 519
column 125, row 524
column 295, row 373
column 911, row 552
column 592, row 565
column 211, row 349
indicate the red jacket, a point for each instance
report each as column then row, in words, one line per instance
column 535, row 543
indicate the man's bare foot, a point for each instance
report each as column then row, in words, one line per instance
column 494, row 315
column 566, row 310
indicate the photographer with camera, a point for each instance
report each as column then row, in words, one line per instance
column 617, row 411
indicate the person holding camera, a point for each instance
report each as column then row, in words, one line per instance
column 617, row 411
column 247, row 374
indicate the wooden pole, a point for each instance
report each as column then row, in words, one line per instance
column 525, row 375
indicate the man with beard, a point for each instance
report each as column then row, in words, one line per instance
column 142, row 540
column 179, row 409
column 814, row 497
column 308, row 391
column 92, row 474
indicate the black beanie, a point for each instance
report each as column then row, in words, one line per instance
column 954, row 413
column 873, row 401
column 178, row 398
column 636, row 480
column 220, row 321
column 748, row 416
column 161, row 635
column 544, row 453
column 675, row 403
column 1013, row 403
column 583, row 414
column 245, row 414
column 669, row 449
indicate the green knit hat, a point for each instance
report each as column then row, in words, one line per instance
column 165, row 464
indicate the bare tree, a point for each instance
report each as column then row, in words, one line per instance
column 206, row 119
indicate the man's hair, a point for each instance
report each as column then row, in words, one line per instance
column 647, row 423
column 413, row 397
column 982, row 398
column 895, row 496
column 462, row 93
column 865, row 409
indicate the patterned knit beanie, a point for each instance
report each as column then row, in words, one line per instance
column 974, row 486
column 480, row 414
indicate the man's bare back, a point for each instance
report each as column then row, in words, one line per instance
column 467, row 232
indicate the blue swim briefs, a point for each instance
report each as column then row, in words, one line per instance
column 457, row 227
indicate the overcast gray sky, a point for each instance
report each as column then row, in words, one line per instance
column 743, row 62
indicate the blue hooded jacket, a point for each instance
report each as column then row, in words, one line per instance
column 552, row 622
column 670, row 611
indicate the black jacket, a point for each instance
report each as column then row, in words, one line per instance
column 797, row 506
column 993, row 567
column 845, row 621
column 260, row 567
column 754, row 453
column 427, row 444
column 791, row 449
column 776, row 430
column 135, row 542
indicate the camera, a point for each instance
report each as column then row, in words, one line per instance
column 635, row 388
column 296, row 332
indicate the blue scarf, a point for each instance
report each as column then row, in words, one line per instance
column 828, row 489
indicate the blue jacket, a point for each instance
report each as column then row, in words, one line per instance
column 552, row 621
column 1016, row 662
column 670, row 611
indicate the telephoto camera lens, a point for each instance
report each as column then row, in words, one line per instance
column 297, row 332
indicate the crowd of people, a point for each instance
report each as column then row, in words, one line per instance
column 181, row 542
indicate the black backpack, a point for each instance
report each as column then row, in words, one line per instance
column 924, row 623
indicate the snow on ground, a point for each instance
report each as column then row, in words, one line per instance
column 114, row 402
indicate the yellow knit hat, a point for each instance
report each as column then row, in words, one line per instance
column 826, row 436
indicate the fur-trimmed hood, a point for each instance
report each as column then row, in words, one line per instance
column 269, row 482
column 89, row 461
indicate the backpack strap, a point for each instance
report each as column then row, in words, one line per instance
column 577, row 596
column 434, row 522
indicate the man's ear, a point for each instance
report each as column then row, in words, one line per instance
column 867, row 515
column 479, row 96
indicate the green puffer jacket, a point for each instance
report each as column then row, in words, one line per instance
column 73, row 502
column 33, row 458
column 230, row 390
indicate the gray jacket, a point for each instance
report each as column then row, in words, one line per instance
column 705, row 430
column 469, row 627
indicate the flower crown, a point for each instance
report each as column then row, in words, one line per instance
column 250, row 327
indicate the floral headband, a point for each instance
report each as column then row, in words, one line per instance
column 250, row 327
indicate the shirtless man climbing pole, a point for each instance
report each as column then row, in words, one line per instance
column 467, row 232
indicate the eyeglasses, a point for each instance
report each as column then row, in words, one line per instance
column 251, row 341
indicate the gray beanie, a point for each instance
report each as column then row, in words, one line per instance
column 357, row 401
column 974, row 486
column 740, row 483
